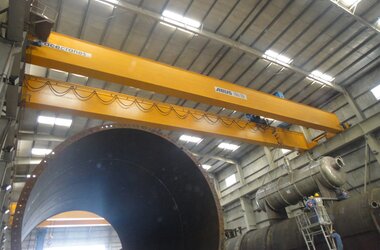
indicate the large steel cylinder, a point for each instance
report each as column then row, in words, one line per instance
column 153, row 193
column 356, row 219
column 290, row 189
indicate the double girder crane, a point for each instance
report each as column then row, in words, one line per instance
column 72, row 55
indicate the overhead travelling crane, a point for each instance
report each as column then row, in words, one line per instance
column 46, row 94
column 77, row 56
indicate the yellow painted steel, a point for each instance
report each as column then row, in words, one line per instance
column 85, row 58
column 41, row 93
column 12, row 211
column 74, row 219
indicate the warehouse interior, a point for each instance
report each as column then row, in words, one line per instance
column 190, row 124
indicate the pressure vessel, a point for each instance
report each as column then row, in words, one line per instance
column 356, row 219
column 290, row 189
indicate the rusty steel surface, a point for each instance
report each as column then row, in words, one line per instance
column 153, row 193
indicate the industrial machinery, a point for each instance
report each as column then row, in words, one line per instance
column 153, row 194
column 145, row 187
column 357, row 220
column 324, row 174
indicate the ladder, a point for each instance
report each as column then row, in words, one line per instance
column 313, row 223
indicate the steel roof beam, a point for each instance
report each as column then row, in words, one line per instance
column 356, row 17
column 222, row 39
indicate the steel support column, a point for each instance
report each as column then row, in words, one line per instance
column 249, row 215
column 269, row 156
column 373, row 143
column 239, row 169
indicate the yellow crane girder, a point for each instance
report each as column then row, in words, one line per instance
column 89, row 59
column 45, row 94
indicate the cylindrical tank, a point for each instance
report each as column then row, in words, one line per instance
column 356, row 219
column 153, row 193
column 290, row 189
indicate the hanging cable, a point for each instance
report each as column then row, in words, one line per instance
column 144, row 106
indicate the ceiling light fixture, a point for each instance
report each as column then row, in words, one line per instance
column 40, row 151
column 228, row 146
column 270, row 54
column 189, row 138
column 49, row 120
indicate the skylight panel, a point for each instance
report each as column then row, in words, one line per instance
column 110, row 3
column 206, row 167
column 50, row 120
column 270, row 54
column 376, row 92
column 285, row 151
column 228, row 146
column 230, row 180
column 349, row 3
column 179, row 20
column 321, row 76
column 41, row 151
column 188, row 138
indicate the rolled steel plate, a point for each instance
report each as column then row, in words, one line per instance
column 152, row 192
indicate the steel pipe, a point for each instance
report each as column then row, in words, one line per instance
column 153, row 193
column 356, row 219
column 290, row 189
